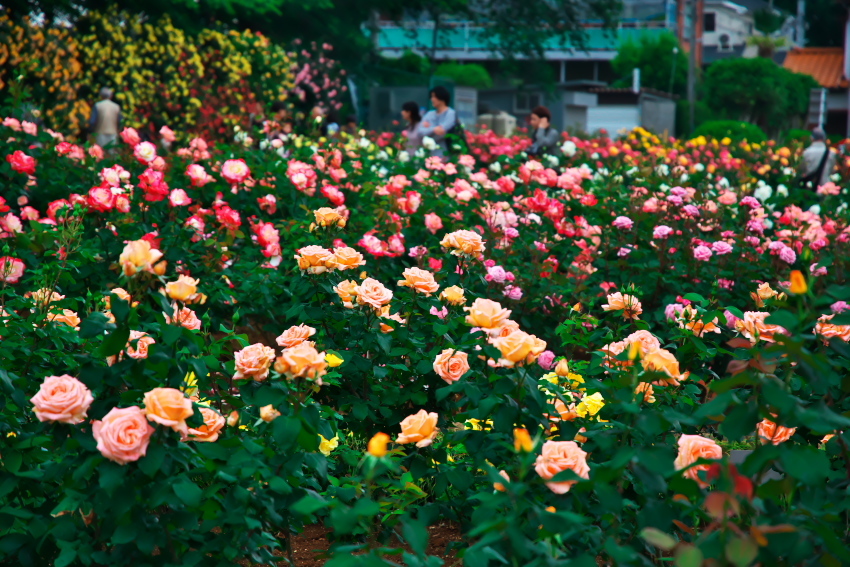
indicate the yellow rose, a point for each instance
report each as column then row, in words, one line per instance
column 328, row 445
column 590, row 405
column 453, row 295
column 522, row 440
column 326, row 216
column 333, row 360
column 184, row 288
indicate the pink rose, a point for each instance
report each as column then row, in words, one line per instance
column 145, row 152
column 11, row 269
column 546, row 360
column 179, row 198
column 433, row 222
column 130, row 137
column 451, row 365
column 62, row 398
column 21, row 162
column 235, row 171
column 702, row 253
column 123, row 434
column 167, row 134
column 661, row 231
column 623, row 223
column 101, row 199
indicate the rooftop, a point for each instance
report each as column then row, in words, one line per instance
column 825, row 64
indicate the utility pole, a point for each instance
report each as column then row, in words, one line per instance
column 801, row 23
column 692, row 66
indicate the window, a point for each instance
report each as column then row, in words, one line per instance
column 525, row 102
column 709, row 23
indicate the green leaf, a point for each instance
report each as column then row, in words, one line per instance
column 783, row 318
column 151, row 463
column 95, row 325
column 658, row 538
column 66, row 556
column 115, row 342
column 688, row 556
column 741, row 552
column 741, row 421
column 124, row 534
column 696, row 298
column 111, row 476
column 806, row 464
column 189, row 493
column 416, row 535
column 309, row 505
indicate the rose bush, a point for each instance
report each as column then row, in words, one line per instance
column 256, row 340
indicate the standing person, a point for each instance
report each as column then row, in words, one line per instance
column 105, row 119
column 440, row 121
column 818, row 161
column 545, row 138
column 410, row 114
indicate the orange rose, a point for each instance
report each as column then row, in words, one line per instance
column 419, row 428
column 181, row 290
column 486, row 314
column 295, row 335
column 463, row 242
column 498, row 485
column 661, row 360
column 268, row 413
column 828, row 331
column 692, row 448
column 419, row 280
column 372, row 292
column 559, row 456
column 326, row 216
column 628, row 304
column 769, row 432
column 385, row 316
column 451, row 365
column 123, row 434
column 515, row 347
column 62, row 398
column 753, row 327
column 453, row 295
column 646, row 389
column 302, row 361
column 169, row 407
column 565, row 412
column 253, row 362
column 378, row 445
column 313, row 259
column 138, row 256
column 691, row 319
column 345, row 259
column 67, row 316
column 213, row 424
column 763, row 292
column 347, row 292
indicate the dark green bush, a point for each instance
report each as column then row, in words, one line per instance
column 733, row 129
column 466, row 75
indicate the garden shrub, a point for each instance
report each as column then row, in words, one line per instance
column 736, row 131
column 465, row 74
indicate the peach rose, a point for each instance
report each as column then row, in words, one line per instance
column 646, row 341
column 268, row 413
column 253, row 362
column 565, row 412
column 628, row 304
column 67, row 316
column 728, row 198
column 453, row 295
column 486, row 314
column 689, row 318
column 122, row 294
column 313, row 259
column 463, row 243
column 123, row 434
column 498, row 485
column 372, row 292
column 169, row 407
column 692, row 448
column 213, row 424
column 828, row 331
column 559, row 456
column 345, row 259
column 62, row 398
column 181, row 290
column 142, row 342
column 385, row 316
column 347, row 292
column 295, row 335
column 515, row 347
column 753, row 327
column 763, row 292
column 451, row 365
column 326, row 216
column 185, row 317
column 648, row 392
column 769, row 432
column 302, row 361
column 44, row 296
column 138, row 256
column 661, row 360
column 419, row 280
column 419, row 428
column 613, row 350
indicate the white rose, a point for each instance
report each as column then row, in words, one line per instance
column 495, row 167
column 763, row 193
column 403, row 157
column 569, row 148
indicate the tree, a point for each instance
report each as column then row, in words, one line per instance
column 758, row 91
column 659, row 59
column 467, row 75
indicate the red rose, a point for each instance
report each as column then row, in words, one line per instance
column 22, row 163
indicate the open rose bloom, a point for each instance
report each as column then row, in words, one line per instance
column 559, row 456
column 691, row 449
column 62, row 398
column 419, row 428
column 451, row 365
column 123, row 435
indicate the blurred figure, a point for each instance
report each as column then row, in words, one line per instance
column 105, row 119
column 545, row 138
column 410, row 114
column 440, row 121
column 350, row 127
column 818, row 161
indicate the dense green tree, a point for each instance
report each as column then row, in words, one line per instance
column 758, row 91
column 659, row 59
column 467, row 75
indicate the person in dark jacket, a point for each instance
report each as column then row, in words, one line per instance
column 544, row 138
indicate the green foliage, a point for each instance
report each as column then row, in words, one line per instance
column 737, row 131
column 797, row 135
column 465, row 74
column 702, row 113
column 655, row 57
column 758, row 91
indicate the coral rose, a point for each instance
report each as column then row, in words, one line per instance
column 486, row 313
column 181, row 290
column 169, row 407
column 141, row 341
column 253, row 362
column 628, row 304
column 123, row 434
column 185, row 317
column 68, row 317
column 559, row 456
column 372, row 292
column 754, row 328
column 498, row 485
column 419, row 428
column 295, row 335
column 453, row 295
column 769, row 432
column 419, row 280
column 209, row 431
column 138, row 255
column 828, row 330
column 345, row 258
column 463, row 243
column 347, row 292
column 693, row 448
column 515, row 347
column 689, row 318
column 62, row 398
column 661, row 360
column 451, row 365
column 268, row 413
column 302, row 361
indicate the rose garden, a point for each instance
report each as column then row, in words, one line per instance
column 633, row 351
